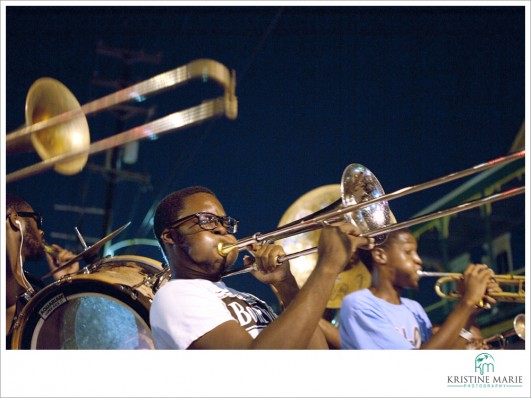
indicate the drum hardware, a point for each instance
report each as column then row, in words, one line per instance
column 64, row 279
column 56, row 125
column 90, row 268
column 147, row 281
column 161, row 277
column 22, row 301
column 364, row 204
column 89, row 253
column 155, row 281
column 132, row 293
column 81, row 239
column 133, row 289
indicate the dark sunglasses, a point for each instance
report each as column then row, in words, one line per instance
column 209, row 221
column 36, row 216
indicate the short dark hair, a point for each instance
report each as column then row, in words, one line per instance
column 15, row 203
column 366, row 255
column 171, row 204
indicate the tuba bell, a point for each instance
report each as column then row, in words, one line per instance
column 354, row 277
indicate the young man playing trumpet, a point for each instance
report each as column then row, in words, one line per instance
column 379, row 318
column 196, row 310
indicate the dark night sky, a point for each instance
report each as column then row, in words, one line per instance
column 412, row 93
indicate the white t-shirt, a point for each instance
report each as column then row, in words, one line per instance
column 185, row 309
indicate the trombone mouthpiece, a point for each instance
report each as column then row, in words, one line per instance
column 224, row 250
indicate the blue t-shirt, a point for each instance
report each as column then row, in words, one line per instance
column 367, row 322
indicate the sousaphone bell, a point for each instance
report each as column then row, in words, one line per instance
column 355, row 277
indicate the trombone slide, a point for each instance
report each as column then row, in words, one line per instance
column 204, row 69
column 308, row 223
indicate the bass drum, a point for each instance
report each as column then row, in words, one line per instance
column 104, row 306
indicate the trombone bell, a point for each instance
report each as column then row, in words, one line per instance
column 359, row 184
column 47, row 98
column 63, row 141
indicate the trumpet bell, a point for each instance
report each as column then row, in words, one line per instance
column 359, row 184
column 46, row 98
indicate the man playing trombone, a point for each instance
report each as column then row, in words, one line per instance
column 196, row 310
column 379, row 318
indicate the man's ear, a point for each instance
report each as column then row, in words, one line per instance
column 14, row 222
column 379, row 256
column 167, row 238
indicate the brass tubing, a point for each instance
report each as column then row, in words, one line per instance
column 337, row 215
column 204, row 69
column 223, row 250
column 507, row 280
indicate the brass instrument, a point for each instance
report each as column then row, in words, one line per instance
column 50, row 250
column 56, row 123
column 364, row 203
column 500, row 340
column 504, row 281
column 354, row 277
column 47, row 98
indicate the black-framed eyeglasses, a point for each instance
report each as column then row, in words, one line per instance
column 209, row 221
column 36, row 216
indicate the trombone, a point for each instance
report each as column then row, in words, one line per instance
column 364, row 203
column 508, row 281
column 56, row 123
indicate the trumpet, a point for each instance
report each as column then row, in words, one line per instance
column 507, row 281
column 364, row 204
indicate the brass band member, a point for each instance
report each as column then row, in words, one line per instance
column 25, row 241
column 379, row 318
column 196, row 310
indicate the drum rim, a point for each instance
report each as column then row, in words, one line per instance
column 71, row 285
column 26, row 324
column 157, row 265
